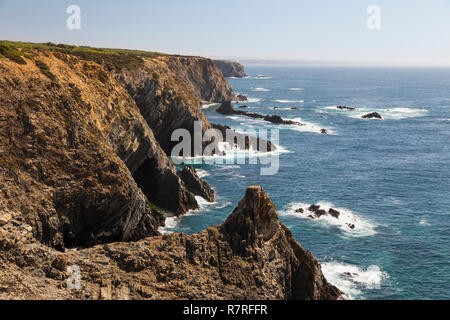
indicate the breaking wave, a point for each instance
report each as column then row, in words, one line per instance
column 352, row 279
column 363, row 227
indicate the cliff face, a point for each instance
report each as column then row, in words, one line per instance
column 251, row 256
column 71, row 141
column 201, row 77
column 230, row 69
column 165, row 102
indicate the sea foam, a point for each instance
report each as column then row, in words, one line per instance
column 363, row 226
column 352, row 279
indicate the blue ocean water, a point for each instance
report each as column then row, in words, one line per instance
column 390, row 177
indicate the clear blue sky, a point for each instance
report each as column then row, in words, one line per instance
column 412, row 31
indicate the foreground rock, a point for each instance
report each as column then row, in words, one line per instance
column 372, row 115
column 251, row 256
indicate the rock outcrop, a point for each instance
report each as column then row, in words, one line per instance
column 227, row 109
column 346, row 108
column 251, row 256
column 196, row 185
column 372, row 115
column 230, row 69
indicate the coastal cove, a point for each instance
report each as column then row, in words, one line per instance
column 389, row 177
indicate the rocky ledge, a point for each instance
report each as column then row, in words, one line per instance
column 251, row 256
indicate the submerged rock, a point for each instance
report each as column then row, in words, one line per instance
column 372, row 115
column 345, row 108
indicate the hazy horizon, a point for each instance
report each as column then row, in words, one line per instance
column 411, row 33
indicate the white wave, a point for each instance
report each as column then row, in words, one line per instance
column 252, row 100
column 202, row 173
column 444, row 119
column 260, row 77
column 289, row 101
column 352, row 279
column 232, row 154
column 363, row 226
column 309, row 127
column 261, row 89
column 172, row 222
column 208, row 105
column 424, row 223
column 296, row 89
column 390, row 114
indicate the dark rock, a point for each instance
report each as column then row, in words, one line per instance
column 314, row 207
column 194, row 184
column 320, row 213
column 300, row 210
column 243, row 107
column 241, row 97
column 226, row 108
column 345, row 108
column 324, row 131
column 372, row 115
column 334, row 213
column 250, row 141
column 351, row 226
column 294, row 108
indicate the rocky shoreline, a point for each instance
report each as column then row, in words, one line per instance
column 84, row 165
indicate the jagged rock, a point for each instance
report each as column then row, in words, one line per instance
column 230, row 69
column 251, row 256
column 324, row 131
column 300, row 210
column 226, row 108
column 241, row 97
column 372, row 115
column 314, row 207
column 334, row 213
column 197, row 186
column 320, row 213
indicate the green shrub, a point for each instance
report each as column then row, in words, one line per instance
column 45, row 69
column 11, row 53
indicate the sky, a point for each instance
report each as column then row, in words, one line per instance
column 412, row 32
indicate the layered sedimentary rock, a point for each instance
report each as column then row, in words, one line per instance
column 73, row 145
column 251, row 256
column 230, row 69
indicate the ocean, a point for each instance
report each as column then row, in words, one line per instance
column 390, row 177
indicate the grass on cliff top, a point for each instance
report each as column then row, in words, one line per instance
column 112, row 59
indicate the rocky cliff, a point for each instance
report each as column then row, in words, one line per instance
column 77, row 160
column 80, row 168
column 251, row 256
column 230, row 69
